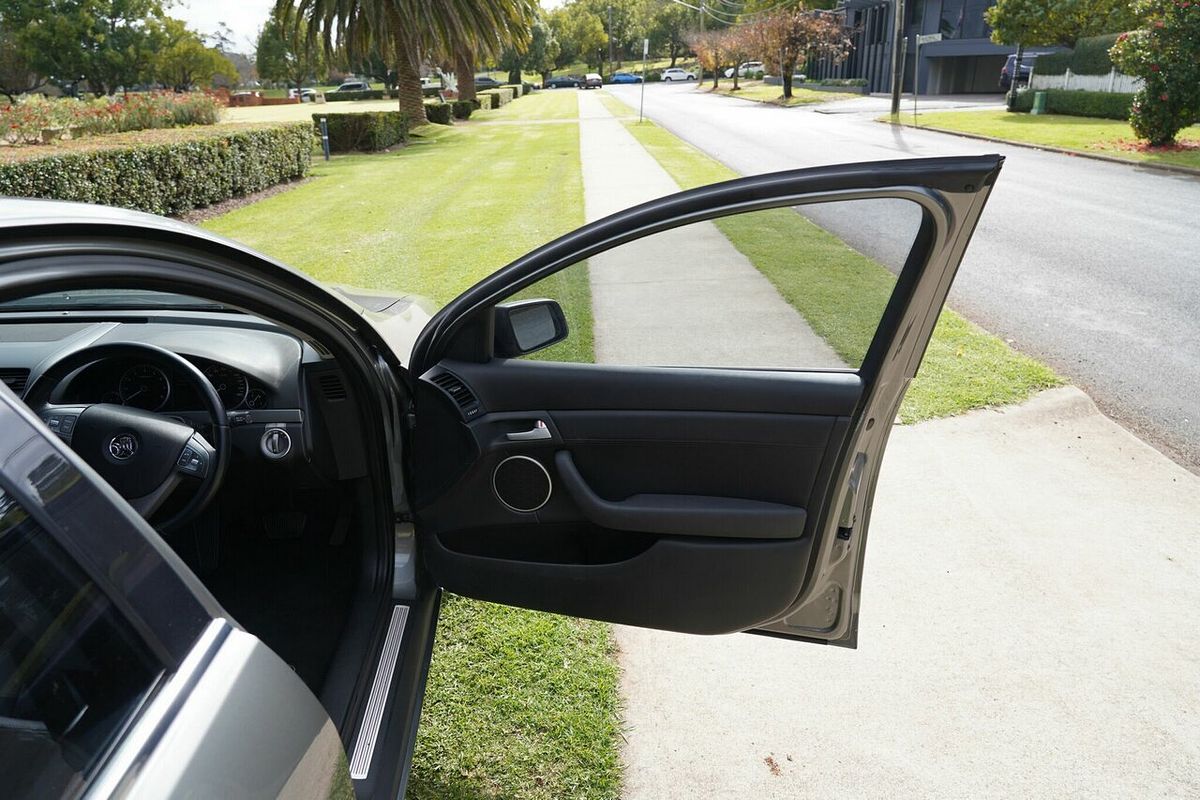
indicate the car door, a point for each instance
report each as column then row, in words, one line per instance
column 119, row 674
column 701, row 499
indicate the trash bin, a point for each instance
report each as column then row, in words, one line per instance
column 1039, row 103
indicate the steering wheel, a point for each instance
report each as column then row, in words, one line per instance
column 143, row 455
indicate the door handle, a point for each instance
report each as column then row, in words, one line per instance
column 538, row 432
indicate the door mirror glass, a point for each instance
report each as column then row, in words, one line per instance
column 527, row 326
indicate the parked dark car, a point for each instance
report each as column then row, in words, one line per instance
column 592, row 81
column 486, row 82
column 231, row 498
column 563, row 82
column 1028, row 60
column 625, row 77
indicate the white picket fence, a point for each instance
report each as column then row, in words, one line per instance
column 1112, row 82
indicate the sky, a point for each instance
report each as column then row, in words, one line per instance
column 245, row 17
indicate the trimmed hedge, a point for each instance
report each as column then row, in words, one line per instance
column 1106, row 105
column 462, row 109
column 515, row 87
column 1090, row 57
column 340, row 97
column 167, row 177
column 367, row 130
column 485, row 101
column 502, row 95
column 439, row 113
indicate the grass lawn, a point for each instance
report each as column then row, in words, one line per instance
column 519, row 704
column 550, row 104
column 1106, row 136
column 840, row 295
column 760, row 92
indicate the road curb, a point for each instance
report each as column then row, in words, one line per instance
column 1177, row 170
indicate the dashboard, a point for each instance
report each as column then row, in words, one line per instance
column 153, row 388
column 270, row 381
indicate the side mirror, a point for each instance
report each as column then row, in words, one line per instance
column 528, row 325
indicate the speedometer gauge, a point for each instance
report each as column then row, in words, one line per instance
column 230, row 384
column 144, row 386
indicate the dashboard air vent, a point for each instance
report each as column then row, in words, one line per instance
column 458, row 391
column 15, row 379
column 332, row 386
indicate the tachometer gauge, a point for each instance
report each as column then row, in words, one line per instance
column 230, row 384
column 144, row 386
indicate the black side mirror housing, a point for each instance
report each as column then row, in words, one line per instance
column 527, row 326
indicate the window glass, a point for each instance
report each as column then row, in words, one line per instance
column 796, row 288
column 72, row 670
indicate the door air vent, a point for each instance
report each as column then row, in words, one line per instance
column 459, row 392
column 15, row 379
column 332, row 386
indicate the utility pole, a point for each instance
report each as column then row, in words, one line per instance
column 702, row 15
column 611, row 60
column 898, row 59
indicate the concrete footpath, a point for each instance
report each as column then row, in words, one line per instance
column 1029, row 621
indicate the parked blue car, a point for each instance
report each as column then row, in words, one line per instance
column 625, row 77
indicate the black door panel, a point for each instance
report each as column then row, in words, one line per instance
column 691, row 519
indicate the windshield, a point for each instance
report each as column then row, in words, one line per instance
column 111, row 300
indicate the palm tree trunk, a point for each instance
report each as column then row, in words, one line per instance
column 408, row 83
column 464, row 69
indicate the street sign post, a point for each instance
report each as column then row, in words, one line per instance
column 642, row 99
column 928, row 38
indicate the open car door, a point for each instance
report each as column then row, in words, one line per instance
column 651, row 491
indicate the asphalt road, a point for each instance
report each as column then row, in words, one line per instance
column 1089, row 266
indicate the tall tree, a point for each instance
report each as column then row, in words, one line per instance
column 709, row 47
column 580, row 35
column 667, row 26
column 789, row 36
column 410, row 31
column 108, row 43
column 1057, row 22
column 539, row 56
column 286, row 55
column 184, row 60
column 17, row 73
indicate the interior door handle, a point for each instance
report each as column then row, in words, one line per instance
column 679, row 514
column 538, row 432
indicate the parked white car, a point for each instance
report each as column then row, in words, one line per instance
column 747, row 68
column 677, row 74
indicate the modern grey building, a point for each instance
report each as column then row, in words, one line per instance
column 965, row 61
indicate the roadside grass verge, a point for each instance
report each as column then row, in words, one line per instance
column 1084, row 134
column 616, row 107
column 760, row 92
column 840, row 293
column 520, row 704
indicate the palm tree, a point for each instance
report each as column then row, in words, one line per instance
column 410, row 30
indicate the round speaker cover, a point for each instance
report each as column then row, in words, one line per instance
column 521, row 483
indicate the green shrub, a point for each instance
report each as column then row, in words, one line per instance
column 462, row 109
column 1054, row 63
column 341, row 97
column 1165, row 54
column 485, row 101
column 369, row 130
column 526, row 88
column 1106, row 105
column 515, row 88
column 194, row 169
column 1091, row 55
column 499, row 96
column 439, row 113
